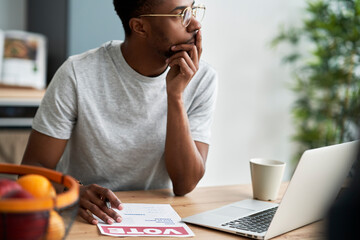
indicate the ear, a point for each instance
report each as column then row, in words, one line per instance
column 139, row 27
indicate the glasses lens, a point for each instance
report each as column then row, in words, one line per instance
column 199, row 13
column 187, row 17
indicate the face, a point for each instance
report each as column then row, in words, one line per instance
column 168, row 31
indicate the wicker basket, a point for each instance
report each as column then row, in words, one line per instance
column 27, row 219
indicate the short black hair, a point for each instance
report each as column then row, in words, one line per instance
column 127, row 9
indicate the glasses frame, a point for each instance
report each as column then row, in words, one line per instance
column 181, row 14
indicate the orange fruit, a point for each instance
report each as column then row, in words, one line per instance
column 37, row 185
column 56, row 227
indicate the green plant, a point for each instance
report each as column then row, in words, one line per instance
column 327, row 78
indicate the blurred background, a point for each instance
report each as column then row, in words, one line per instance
column 253, row 115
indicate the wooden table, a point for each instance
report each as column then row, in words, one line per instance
column 201, row 199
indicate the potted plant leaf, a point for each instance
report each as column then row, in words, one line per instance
column 327, row 77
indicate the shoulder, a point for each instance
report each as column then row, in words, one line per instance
column 206, row 75
column 84, row 64
column 95, row 55
column 204, row 84
column 206, row 68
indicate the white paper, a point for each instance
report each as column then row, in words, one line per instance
column 153, row 220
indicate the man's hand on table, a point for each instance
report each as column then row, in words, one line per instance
column 92, row 200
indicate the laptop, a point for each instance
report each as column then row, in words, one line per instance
column 314, row 186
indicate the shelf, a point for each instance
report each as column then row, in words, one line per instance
column 21, row 93
column 18, row 106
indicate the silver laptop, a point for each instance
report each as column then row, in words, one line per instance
column 314, row 186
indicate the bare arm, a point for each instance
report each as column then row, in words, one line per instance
column 185, row 158
column 43, row 150
column 46, row 151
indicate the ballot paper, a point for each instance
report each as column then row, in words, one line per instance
column 154, row 220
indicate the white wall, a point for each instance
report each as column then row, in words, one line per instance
column 253, row 109
column 252, row 118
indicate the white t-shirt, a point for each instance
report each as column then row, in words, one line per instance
column 115, row 118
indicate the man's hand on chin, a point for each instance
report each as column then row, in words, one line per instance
column 184, row 63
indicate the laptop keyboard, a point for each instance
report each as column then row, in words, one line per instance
column 258, row 222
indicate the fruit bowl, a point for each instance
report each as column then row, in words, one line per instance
column 41, row 218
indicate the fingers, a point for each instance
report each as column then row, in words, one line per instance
column 193, row 50
column 186, row 49
column 198, row 43
column 87, row 217
column 182, row 47
column 184, row 64
column 109, row 195
column 183, row 60
column 92, row 199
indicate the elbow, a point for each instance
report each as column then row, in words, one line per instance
column 183, row 190
column 184, row 184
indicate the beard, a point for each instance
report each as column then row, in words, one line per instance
column 168, row 53
column 163, row 44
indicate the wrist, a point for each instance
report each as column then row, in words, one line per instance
column 174, row 97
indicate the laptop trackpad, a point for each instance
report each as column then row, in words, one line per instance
column 233, row 212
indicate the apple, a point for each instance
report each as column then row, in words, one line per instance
column 21, row 193
column 24, row 226
column 7, row 185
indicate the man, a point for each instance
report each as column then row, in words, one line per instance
column 131, row 115
column 343, row 218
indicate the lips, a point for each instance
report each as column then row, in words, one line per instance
column 192, row 39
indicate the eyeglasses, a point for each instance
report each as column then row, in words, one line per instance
column 197, row 11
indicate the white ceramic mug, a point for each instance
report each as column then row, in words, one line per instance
column 266, row 177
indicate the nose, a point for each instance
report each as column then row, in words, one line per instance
column 194, row 25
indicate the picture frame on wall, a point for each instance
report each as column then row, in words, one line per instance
column 23, row 59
